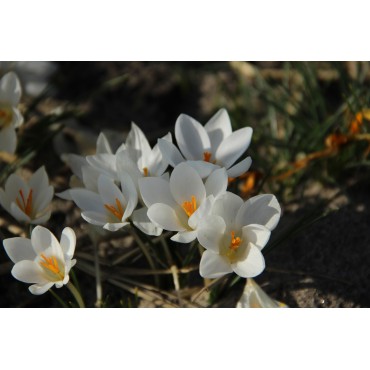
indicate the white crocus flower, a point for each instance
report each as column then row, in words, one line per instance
column 42, row 260
column 180, row 203
column 28, row 202
column 235, row 233
column 110, row 207
column 10, row 117
column 209, row 147
column 254, row 297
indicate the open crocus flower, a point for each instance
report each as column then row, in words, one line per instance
column 28, row 202
column 110, row 207
column 209, row 147
column 235, row 233
column 254, row 297
column 180, row 203
column 10, row 117
column 42, row 261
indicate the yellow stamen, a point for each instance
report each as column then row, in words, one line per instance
column 207, row 156
column 117, row 212
column 190, row 207
column 235, row 242
column 25, row 205
column 51, row 264
column 145, row 170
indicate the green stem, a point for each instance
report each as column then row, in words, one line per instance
column 99, row 288
column 56, row 296
column 76, row 294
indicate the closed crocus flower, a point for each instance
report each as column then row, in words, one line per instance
column 10, row 117
column 28, row 201
column 209, row 147
column 180, row 203
column 42, row 260
column 254, row 297
column 235, row 233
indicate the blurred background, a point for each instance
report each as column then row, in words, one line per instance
column 310, row 147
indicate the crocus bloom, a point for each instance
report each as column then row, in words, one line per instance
column 235, row 233
column 42, row 260
column 209, row 147
column 10, row 117
column 110, row 207
column 28, row 202
column 180, row 203
column 254, row 297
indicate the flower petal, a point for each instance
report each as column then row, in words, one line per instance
column 216, row 183
column 185, row 183
column 137, row 141
column 94, row 218
column 141, row 220
column 234, row 146
column 165, row 217
column 129, row 193
column 184, row 236
column 170, row 153
column 210, row 232
column 218, row 128
column 191, row 137
column 38, row 289
column 213, row 266
column 257, row 234
column 41, row 219
column 204, row 169
column 8, row 140
column 202, row 212
column 106, row 163
column 87, row 200
column 102, row 145
column 240, row 168
column 157, row 165
column 10, row 89
column 252, row 266
column 75, row 162
column 156, row 190
column 28, row 272
column 18, row 214
column 43, row 239
column 227, row 206
column 19, row 249
column 109, row 191
column 68, row 242
column 261, row 209
column 115, row 226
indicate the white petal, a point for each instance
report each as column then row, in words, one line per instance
column 261, row 209
column 254, row 297
column 115, row 226
column 17, row 120
column 66, row 195
column 38, row 289
column 210, row 233
column 227, row 206
column 185, row 182
column 191, row 137
column 204, row 169
column 109, row 191
column 240, row 168
column 218, row 128
column 90, row 177
column 8, row 140
column 41, row 219
column 157, row 165
column 39, row 180
column 42, row 200
column 10, row 89
column 202, row 212
column 234, row 146
column 42, row 239
column 124, row 163
column 170, row 153
column 4, row 200
column 87, row 200
column 137, row 140
column 213, row 266
column 13, row 185
column 252, row 266
column 165, row 217
column 257, row 234
column 18, row 214
column 129, row 192
column 216, row 183
column 94, row 218
column 68, row 242
column 141, row 220
column 156, row 190
column 75, row 162
column 106, row 163
column 28, row 272
column 184, row 236
column 102, row 145
column 19, row 249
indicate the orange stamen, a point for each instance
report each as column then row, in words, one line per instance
column 235, row 242
column 146, row 171
column 117, row 212
column 25, row 205
column 207, row 156
column 190, row 207
column 51, row 264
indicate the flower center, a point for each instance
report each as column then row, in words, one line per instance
column 6, row 116
column 25, row 204
column 207, row 156
column 190, row 207
column 50, row 265
column 116, row 210
column 235, row 242
column 146, row 171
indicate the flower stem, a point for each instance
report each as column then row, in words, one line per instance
column 99, row 288
column 76, row 294
column 56, row 296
